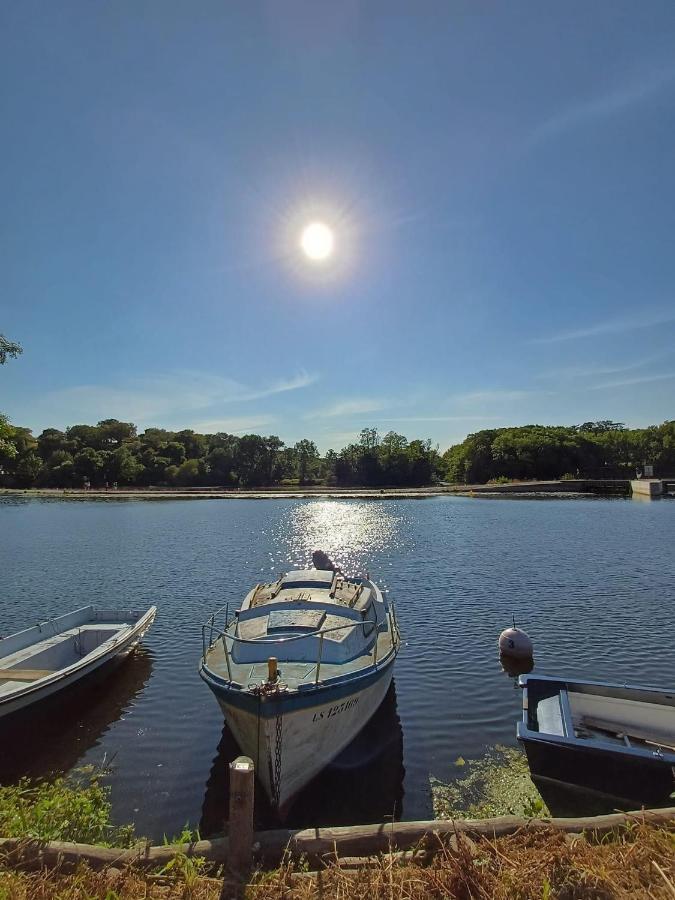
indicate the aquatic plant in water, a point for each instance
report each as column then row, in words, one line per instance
column 497, row 784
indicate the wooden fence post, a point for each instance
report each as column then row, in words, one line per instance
column 240, row 831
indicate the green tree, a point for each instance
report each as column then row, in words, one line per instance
column 7, row 446
column 602, row 426
column 8, row 349
column 191, row 472
column 175, row 452
column 171, row 473
column 329, row 463
column 221, row 464
column 257, row 459
column 369, row 438
column 86, row 436
column 156, row 437
column 90, row 464
column 307, row 460
column 395, row 456
column 52, row 440
column 28, row 469
column 113, row 432
column 58, row 470
column 122, row 466
column 196, row 445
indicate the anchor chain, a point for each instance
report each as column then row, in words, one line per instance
column 266, row 691
column 276, row 775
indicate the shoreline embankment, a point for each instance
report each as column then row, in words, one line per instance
column 578, row 486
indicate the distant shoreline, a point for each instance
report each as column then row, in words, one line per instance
column 228, row 494
column 581, row 486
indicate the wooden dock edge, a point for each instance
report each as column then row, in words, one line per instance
column 318, row 844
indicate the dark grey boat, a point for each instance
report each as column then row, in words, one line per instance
column 613, row 738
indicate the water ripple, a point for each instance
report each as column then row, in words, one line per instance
column 592, row 581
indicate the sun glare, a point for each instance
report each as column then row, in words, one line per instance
column 317, row 241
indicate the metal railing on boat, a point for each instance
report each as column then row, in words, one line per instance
column 223, row 635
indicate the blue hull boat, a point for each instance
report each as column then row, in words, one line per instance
column 612, row 738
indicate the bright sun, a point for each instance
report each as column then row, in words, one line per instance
column 317, row 241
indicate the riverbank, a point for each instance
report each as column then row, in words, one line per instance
column 634, row 860
column 610, row 856
column 320, row 492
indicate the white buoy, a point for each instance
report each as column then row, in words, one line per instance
column 514, row 642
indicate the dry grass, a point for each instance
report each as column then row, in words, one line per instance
column 638, row 862
column 111, row 884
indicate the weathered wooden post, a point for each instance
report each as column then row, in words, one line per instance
column 240, row 832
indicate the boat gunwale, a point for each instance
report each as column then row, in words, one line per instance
column 623, row 686
column 658, row 755
column 96, row 655
column 310, row 696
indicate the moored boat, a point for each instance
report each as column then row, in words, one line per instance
column 618, row 739
column 54, row 654
column 299, row 670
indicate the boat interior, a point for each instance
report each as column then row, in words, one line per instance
column 307, row 619
column 58, row 643
column 631, row 718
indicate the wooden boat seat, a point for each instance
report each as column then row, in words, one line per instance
column 550, row 716
column 636, row 732
column 24, row 674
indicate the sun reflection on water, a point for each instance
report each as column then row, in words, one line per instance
column 351, row 533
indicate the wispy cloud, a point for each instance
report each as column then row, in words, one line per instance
column 629, row 382
column 441, row 419
column 301, row 380
column 233, row 425
column 498, row 395
column 163, row 396
column 602, row 106
column 609, row 326
column 349, row 407
column 569, row 373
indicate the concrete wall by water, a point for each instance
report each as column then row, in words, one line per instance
column 647, row 487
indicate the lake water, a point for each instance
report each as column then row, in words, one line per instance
column 591, row 580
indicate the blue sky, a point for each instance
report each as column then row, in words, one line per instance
column 499, row 178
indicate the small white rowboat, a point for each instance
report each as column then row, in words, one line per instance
column 51, row 656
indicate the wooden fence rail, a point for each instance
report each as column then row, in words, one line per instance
column 317, row 844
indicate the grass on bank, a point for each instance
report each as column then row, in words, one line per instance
column 636, row 861
column 639, row 861
column 74, row 808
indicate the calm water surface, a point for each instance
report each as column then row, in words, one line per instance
column 592, row 581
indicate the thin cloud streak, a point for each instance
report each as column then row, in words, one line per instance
column 629, row 382
column 234, row 425
column 497, row 395
column 345, row 408
column 442, row 419
column 590, row 371
column 605, row 105
column 614, row 326
column 164, row 396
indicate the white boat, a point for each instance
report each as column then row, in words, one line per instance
column 299, row 670
column 51, row 656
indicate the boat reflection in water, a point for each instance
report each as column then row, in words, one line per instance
column 363, row 784
column 51, row 737
column 516, row 666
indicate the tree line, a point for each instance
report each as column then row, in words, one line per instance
column 602, row 449
column 113, row 452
